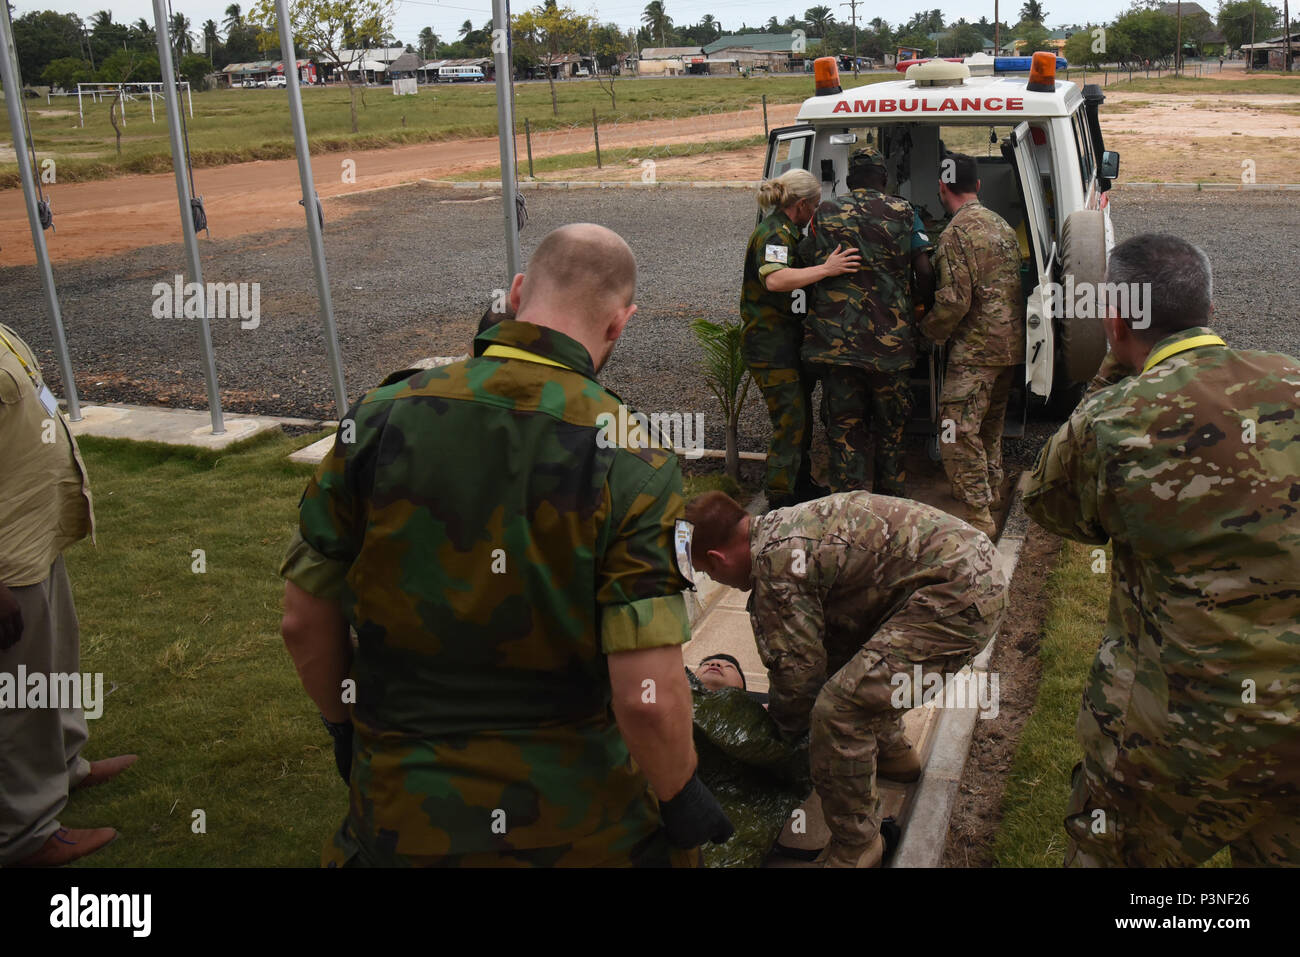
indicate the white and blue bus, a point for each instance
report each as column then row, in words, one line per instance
column 460, row 74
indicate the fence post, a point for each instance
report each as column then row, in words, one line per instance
column 765, row 114
column 595, row 127
column 528, row 138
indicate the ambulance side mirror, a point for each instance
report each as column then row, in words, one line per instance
column 1109, row 164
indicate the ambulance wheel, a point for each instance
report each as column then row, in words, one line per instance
column 1081, row 341
column 932, row 448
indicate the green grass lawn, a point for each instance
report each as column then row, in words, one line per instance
column 1032, row 833
column 206, row 694
column 1033, row 807
column 232, row 126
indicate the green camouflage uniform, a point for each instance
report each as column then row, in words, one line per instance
column 859, row 336
column 979, row 310
column 850, row 590
column 770, row 336
column 1190, row 721
column 489, row 553
column 756, row 775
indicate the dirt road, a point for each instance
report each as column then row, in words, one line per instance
column 112, row 216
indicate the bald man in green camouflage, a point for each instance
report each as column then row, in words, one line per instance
column 859, row 334
column 516, row 696
column 1186, row 458
column 979, row 310
column 851, row 594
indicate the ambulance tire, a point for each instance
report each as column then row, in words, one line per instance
column 1081, row 342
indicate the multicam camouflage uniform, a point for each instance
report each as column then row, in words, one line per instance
column 850, row 590
column 770, row 336
column 980, row 310
column 1190, row 721
column 860, row 338
column 489, row 554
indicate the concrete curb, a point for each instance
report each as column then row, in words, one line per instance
column 926, row 833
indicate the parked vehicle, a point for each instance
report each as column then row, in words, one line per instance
column 460, row 74
column 278, row 82
column 1043, row 167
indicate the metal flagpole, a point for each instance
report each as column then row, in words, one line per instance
column 13, row 103
column 183, row 197
column 506, row 133
column 317, row 243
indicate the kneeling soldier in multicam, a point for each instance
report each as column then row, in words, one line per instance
column 1186, row 458
column 849, row 591
column 515, row 586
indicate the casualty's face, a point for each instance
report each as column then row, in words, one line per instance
column 716, row 673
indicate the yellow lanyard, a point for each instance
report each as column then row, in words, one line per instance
column 31, row 373
column 510, row 352
column 1176, row 347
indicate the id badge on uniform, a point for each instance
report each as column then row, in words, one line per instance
column 50, row 403
column 682, row 532
column 776, row 253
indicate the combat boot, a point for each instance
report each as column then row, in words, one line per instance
column 979, row 516
column 903, row 766
column 839, row 855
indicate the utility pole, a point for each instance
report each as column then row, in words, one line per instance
column 997, row 30
column 1178, row 48
column 853, row 6
column 1286, row 32
column 1250, row 60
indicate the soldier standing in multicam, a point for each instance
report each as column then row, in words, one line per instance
column 980, row 311
column 772, row 328
column 1186, row 458
column 850, row 593
column 512, row 580
column 859, row 335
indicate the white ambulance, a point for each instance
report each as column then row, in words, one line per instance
column 1037, row 142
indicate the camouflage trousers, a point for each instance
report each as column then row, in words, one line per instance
column 859, row 711
column 862, row 407
column 1112, row 825
column 788, row 394
column 972, row 413
column 345, row 849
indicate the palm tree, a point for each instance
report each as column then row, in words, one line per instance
column 819, row 18
column 466, row 29
column 100, row 19
column 773, row 25
column 656, row 18
column 234, row 18
column 182, row 41
column 428, row 43
column 710, row 23
column 210, row 37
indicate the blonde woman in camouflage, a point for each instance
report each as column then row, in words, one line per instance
column 771, row 312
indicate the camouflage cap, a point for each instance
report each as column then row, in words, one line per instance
column 864, row 159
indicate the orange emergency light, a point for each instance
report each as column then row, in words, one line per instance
column 826, row 76
column 1042, row 73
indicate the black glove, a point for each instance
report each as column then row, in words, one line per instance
column 341, row 732
column 694, row 817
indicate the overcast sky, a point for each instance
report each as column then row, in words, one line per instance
column 446, row 18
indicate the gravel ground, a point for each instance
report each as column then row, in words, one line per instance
column 412, row 269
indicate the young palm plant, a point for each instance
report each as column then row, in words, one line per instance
column 726, row 376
